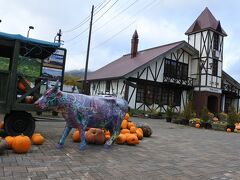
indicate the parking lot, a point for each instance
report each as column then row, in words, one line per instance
column 173, row 152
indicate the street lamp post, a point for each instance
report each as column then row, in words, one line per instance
column 30, row 27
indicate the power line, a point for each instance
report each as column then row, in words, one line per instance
column 93, row 22
column 140, row 11
column 105, row 11
column 103, row 24
column 115, row 16
column 88, row 17
column 126, row 27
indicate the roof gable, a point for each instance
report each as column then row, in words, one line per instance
column 206, row 20
column 126, row 65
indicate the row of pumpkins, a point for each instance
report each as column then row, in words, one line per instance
column 129, row 134
column 21, row 144
column 198, row 125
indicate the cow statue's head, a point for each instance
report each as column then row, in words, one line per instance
column 49, row 97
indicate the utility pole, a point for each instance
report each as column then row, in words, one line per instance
column 58, row 37
column 59, row 34
column 84, row 85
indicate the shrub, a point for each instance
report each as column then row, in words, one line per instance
column 232, row 116
column 223, row 116
column 188, row 111
column 169, row 111
column 204, row 114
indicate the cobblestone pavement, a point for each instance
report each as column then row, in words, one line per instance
column 174, row 152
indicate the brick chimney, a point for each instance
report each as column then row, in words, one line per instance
column 134, row 44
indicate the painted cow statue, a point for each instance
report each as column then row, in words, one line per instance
column 81, row 111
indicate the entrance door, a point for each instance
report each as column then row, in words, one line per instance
column 212, row 104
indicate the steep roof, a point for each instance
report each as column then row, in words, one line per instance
column 230, row 79
column 206, row 20
column 126, row 65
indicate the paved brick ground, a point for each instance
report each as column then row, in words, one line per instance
column 173, row 152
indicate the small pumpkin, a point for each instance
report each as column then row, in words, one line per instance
column 107, row 137
column 126, row 116
column 139, row 134
column 9, row 141
column 235, row 130
column 124, row 124
column 140, row 129
column 130, row 124
column 107, row 133
column 197, row 125
column 37, row 139
column 121, row 139
column 133, row 129
column 76, row 136
column 95, row 136
column 132, row 139
column 147, row 131
column 21, row 87
column 21, row 144
column 125, row 131
column 228, row 130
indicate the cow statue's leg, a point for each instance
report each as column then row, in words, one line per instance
column 82, row 145
column 82, row 126
column 65, row 133
column 116, row 129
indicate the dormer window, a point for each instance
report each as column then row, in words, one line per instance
column 215, row 41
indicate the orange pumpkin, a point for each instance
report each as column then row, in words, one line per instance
column 124, row 124
column 76, row 136
column 126, row 116
column 121, row 139
column 140, row 129
column 21, row 144
column 228, row 130
column 107, row 133
column 130, row 124
column 132, row 139
column 107, row 137
column 21, row 87
column 133, row 129
column 95, row 136
column 37, row 139
column 1, row 124
column 9, row 141
column 125, row 131
column 139, row 134
column 197, row 125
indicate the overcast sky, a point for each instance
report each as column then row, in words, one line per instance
column 157, row 21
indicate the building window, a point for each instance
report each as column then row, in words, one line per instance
column 140, row 94
column 215, row 41
column 107, row 86
column 215, row 67
column 175, row 69
column 149, row 94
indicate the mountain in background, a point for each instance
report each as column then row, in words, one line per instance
column 77, row 73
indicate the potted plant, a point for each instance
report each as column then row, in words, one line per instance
column 232, row 118
column 176, row 118
column 194, row 121
column 219, row 125
column 169, row 113
column 205, row 118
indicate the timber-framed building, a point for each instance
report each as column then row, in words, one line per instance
column 155, row 78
